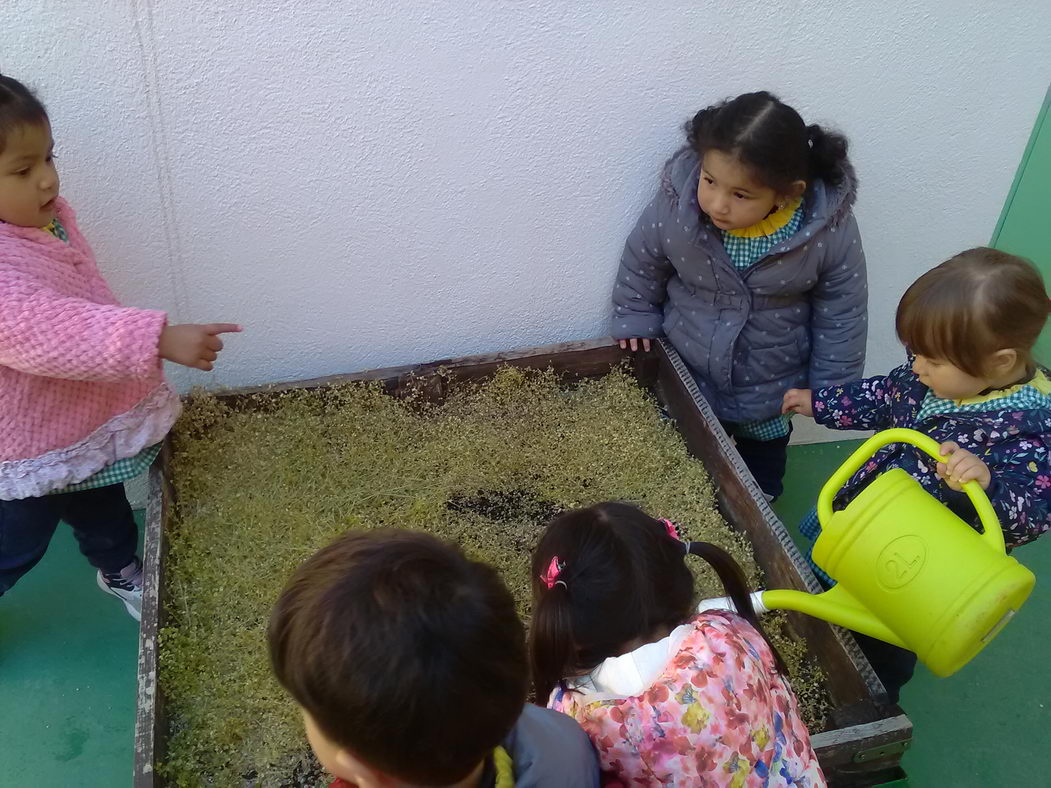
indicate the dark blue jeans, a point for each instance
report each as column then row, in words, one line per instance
column 101, row 520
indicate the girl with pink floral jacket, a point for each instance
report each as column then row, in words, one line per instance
column 668, row 697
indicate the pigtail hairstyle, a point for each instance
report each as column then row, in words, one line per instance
column 609, row 576
column 771, row 138
column 735, row 585
column 621, row 579
column 551, row 642
column 828, row 152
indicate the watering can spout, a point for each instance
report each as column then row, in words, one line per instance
column 836, row 606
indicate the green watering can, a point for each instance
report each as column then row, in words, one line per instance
column 908, row 570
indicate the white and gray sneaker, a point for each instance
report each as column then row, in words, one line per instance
column 126, row 585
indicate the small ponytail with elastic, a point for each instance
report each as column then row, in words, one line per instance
column 699, row 126
column 735, row 584
column 551, row 646
column 828, row 154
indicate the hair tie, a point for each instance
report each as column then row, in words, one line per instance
column 554, row 569
column 673, row 532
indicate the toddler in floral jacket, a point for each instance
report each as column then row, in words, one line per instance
column 972, row 384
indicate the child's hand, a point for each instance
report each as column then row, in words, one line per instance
column 194, row 345
column 798, row 401
column 634, row 344
column 962, row 467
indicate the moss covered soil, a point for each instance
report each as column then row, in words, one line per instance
column 260, row 488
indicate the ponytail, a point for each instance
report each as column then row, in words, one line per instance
column 828, row 154
column 551, row 648
column 699, row 126
column 602, row 577
column 735, row 584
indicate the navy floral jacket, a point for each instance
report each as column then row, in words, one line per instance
column 1013, row 443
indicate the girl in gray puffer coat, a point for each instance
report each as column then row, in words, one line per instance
column 749, row 261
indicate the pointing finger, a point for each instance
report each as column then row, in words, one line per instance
column 222, row 328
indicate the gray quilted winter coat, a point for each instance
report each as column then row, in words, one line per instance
column 794, row 319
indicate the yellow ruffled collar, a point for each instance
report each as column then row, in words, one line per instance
column 771, row 224
column 1039, row 381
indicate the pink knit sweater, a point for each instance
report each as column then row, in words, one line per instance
column 81, row 385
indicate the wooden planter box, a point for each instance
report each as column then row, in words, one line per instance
column 867, row 735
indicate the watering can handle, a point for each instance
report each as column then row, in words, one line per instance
column 992, row 533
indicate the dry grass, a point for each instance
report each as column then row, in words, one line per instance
column 261, row 489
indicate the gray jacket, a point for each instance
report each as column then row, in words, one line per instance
column 549, row 749
column 794, row 319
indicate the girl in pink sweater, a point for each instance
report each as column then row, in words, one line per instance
column 83, row 400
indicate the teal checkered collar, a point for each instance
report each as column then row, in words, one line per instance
column 1031, row 395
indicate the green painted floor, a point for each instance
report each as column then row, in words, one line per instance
column 67, row 677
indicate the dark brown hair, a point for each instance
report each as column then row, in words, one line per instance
column 973, row 305
column 624, row 578
column 770, row 138
column 18, row 107
column 404, row 652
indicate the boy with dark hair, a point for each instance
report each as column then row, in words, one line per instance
column 409, row 665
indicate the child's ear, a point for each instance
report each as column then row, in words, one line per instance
column 358, row 773
column 1004, row 361
column 795, row 191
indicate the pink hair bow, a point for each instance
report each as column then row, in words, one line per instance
column 673, row 532
column 554, row 569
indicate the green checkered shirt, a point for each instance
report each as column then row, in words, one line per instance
column 745, row 252
column 117, row 472
column 767, row 430
column 56, row 229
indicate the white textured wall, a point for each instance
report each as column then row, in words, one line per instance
column 366, row 184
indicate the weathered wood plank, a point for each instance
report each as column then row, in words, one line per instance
column 150, row 719
column 861, row 754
